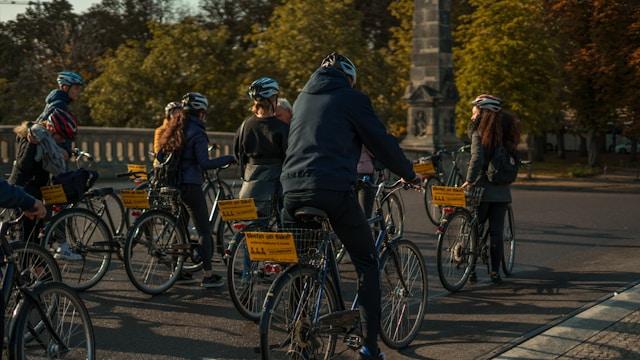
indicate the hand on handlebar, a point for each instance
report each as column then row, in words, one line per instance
column 38, row 211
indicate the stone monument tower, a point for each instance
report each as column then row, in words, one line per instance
column 431, row 93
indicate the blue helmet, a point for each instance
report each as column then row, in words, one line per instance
column 69, row 78
column 263, row 88
column 341, row 63
column 194, row 101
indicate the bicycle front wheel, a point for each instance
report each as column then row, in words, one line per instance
column 70, row 334
column 393, row 215
column 455, row 252
column 88, row 236
column 248, row 281
column 434, row 212
column 287, row 327
column 509, row 239
column 154, row 252
column 404, row 290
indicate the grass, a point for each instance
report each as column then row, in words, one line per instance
column 575, row 166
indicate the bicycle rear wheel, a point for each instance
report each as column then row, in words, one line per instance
column 69, row 319
column 110, row 209
column 154, row 252
column 404, row 290
column 434, row 212
column 248, row 281
column 509, row 239
column 287, row 329
column 455, row 252
column 86, row 235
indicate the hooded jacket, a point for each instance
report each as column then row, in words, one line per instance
column 13, row 196
column 331, row 121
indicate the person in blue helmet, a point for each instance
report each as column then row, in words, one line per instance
column 331, row 122
column 185, row 135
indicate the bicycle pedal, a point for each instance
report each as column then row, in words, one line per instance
column 353, row 341
column 346, row 319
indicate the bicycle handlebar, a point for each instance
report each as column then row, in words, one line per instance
column 82, row 154
column 131, row 173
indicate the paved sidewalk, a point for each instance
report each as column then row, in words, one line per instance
column 609, row 330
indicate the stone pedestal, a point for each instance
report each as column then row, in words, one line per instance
column 431, row 93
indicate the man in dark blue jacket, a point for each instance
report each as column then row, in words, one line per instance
column 12, row 196
column 331, row 121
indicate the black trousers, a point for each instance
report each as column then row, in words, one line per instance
column 495, row 212
column 350, row 224
column 366, row 197
column 196, row 204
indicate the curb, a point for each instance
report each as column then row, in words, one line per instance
column 561, row 335
column 606, row 188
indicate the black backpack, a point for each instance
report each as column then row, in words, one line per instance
column 167, row 172
column 503, row 167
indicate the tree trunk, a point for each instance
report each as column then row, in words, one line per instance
column 634, row 150
column 583, row 146
column 592, row 148
column 560, row 141
column 530, row 147
column 539, row 142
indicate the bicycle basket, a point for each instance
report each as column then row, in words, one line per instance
column 164, row 198
column 308, row 242
column 473, row 197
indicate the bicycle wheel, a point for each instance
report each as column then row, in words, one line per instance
column 88, row 236
column 433, row 211
column 509, row 239
column 110, row 209
column 154, row 252
column 248, row 281
column 286, row 328
column 455, row 251
column 36, row 266
column 404, row 288
column 70, row 335
column 6, row 215
column 393, row 215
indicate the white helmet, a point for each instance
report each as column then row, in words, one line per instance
column 341, row 63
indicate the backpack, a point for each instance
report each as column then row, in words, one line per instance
column 167, row 171
column 503, row 167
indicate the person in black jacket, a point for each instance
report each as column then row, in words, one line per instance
column 12, row 196
column 185, row 134
column 331, row 121
column 260, row 146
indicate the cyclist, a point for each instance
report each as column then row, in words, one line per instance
column 186, row 133
column 331, row 121
column 32, row 168
column 12, row 196
column 260, row 146
column 170, row 111
column 284, row 112
column 491, row 127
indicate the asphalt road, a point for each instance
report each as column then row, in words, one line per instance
column 573, row 248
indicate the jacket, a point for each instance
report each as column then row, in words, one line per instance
column 331, row 121
column 194, row 157
column 13, row 196
column 476, row 173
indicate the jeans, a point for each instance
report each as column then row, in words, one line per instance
column 495, row 212
column 350, row 224
column 196, row 204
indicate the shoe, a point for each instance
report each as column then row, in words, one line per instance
column 495, row 278
column 473, row 278
column 213, row 281
column 365, row 354
column 64, row 252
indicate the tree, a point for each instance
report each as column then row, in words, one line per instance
column 505, row 49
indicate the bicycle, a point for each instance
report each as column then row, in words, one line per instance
column 455, row 178
column 458, row 247
column 304, row 312
column 49, row 320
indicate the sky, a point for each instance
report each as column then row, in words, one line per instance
column 9, row 12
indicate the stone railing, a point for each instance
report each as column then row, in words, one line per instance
column 112, row 148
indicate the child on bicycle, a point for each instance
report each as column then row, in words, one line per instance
column 260, row 146
column 490, row 128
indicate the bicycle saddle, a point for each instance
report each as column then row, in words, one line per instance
column 99, row 192
column 308, row 213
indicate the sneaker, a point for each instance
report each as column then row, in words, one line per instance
column 473, row 278
column 365, row 354
column 213, row 281
column 65, row 252
column 495, row 278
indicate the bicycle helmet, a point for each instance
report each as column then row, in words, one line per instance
column 62, row 123
column 488, row 102
column 171, row 106
column 263, row 88
column 341, row 63
column 69, row 78
column 194, row 101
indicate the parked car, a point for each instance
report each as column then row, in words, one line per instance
column 626, row 148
